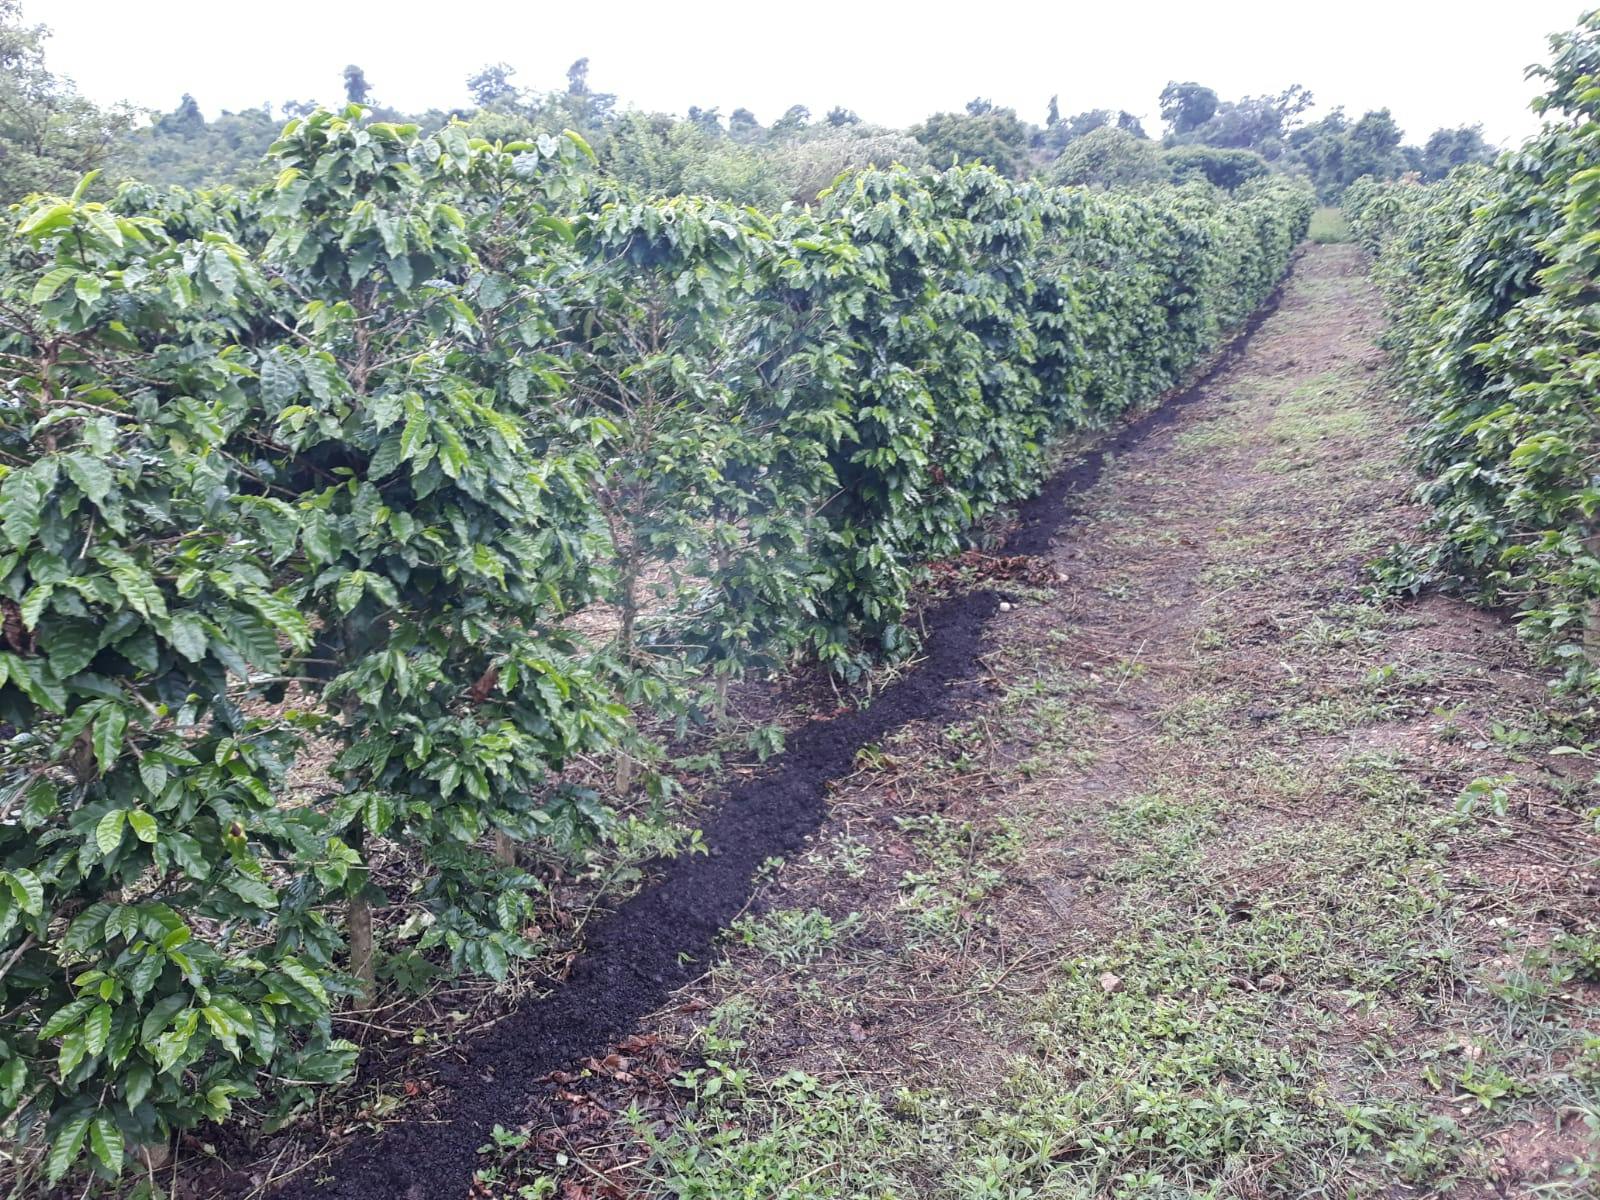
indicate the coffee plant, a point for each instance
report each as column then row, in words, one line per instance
column 1491, row 279
column 337, row 462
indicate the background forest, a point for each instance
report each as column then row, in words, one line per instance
column 50, row 135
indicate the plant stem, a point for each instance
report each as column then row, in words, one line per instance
column 505, row 849
column 358, row 926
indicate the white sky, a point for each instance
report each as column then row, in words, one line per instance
column 1434, row 62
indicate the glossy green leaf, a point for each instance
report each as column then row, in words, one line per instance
column 108, row 831
column 105, row 1140
column 65, row 1147
column 109, row 728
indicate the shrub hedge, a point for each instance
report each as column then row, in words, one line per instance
column 338, row 459
column 1491, row 280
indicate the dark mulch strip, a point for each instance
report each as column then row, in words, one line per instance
column 660, row 939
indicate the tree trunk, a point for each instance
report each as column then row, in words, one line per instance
column 1591, row 616
column 358, row 923
column 358, row 911
column 629, row 602
column 505, row 850
column 720, row 706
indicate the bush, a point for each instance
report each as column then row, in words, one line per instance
column 338, row 457
column 810, row 164
column 1489, row 276
column 992, row 136
column 1108, row 157
column 1219, row 167
column 667, row 157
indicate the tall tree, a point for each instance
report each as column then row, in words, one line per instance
column 49, row 134
column 1064, row 130
column 185, row 120
column 578, row 78
column 709, row 120
column 793, row 120
column 994, row 135
column 586, row 109
column 1320, row 149
column 492, row 85
column 1374, row 146
column 1259, row 123
column 1187, row 106
column 356, row 88
column 1448, row 149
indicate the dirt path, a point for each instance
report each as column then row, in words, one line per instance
column 659, row 940
column 1181, row 905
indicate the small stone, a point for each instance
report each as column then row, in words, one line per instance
column 1274, row 983
column 1110, row 983
column 1005, row 606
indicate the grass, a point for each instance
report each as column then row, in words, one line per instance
column 792, row 936
column 1328, row 227
column 1323, row 409
column 1285, row 1008
column 1189, row 1056
column 1157, row 925
column 1208, row 436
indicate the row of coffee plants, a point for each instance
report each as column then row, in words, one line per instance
column 1491, row 277
column 339, row 460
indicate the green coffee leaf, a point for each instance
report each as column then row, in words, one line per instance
column 143, row 826
column 187, row 634
column 108, row 831
column 91, row 475
column 97, row 1028
column 66, row 1017
column 74, row 1048
column 65, row 1148
column 52, row 282
column 109, row 728
column 105, row 1140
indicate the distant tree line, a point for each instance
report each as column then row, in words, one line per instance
column 50, row 135
column 1225, row 141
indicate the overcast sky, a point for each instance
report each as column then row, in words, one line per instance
column 1433, row 63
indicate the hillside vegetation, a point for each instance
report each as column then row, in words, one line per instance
column 436, row 555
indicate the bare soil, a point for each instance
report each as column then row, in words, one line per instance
column 1168, row 743
column 660, row 939
column 1185, row 836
